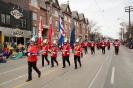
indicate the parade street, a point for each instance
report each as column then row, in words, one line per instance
column 97, row 71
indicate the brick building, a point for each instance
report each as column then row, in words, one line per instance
column 41, row 8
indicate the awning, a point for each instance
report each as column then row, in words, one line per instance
column 9, row 32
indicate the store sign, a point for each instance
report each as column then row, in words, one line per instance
column 18, row 33
column 16, row 14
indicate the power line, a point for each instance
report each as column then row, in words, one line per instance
column 112, row 8
column 100, row 10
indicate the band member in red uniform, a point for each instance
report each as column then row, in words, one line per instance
column 108, row 44
column 86, row 46
column 82, row 46
column 65, row 53
column 77, row 51
column 103, row 45
column 116, row 46
column 32, row 59
column 45, row 48
column 54, row 51
column 92, row 46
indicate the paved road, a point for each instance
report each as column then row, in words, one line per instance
column 97, row 71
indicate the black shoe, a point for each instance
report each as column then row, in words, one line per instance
column 39, row 75
column 63, row 67
column 28, row 80
column 75, row 67
column 80, row 65
column 57, row 64
column 52, row 66
column 69, row 64
column 42, row 65
column 48, row 63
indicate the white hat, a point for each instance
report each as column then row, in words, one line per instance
column 32, row 39
column 54, row 42
column 45, row 41
column 77, row 40
column 65, row 40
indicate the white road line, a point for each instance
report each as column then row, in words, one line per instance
column 112, row 76
column 107, row 58
column 92, row 82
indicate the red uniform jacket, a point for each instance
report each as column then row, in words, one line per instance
column 117, row 44
column 82, row 44
column 108, row 43
column 92, row 44
column 33, row 57
column 54, row 51
column 45, row 49
column 77, row 50
column 65, row 50
column 103, row 44
column 86, row 44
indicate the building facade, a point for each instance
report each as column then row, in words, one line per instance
column 42, row 9
column 15, row 23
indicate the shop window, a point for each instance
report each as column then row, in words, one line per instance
column 34, row 3
column 34, row 16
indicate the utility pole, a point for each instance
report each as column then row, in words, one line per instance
column 129, row 9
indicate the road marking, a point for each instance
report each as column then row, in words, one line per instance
column 112, row 76
column 92, row 82
column 37, row 77
column 107, row 58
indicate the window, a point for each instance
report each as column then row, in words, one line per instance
column 7, row 19
column 23, row 23
column 34, row 30
column 66, row 26
column 69, row 20
column 65, row 18
column 3, row 18
column 56, row 23
column 43, row 19
column 34, row 3
column 54, row 1
column 56, row 13
column 34, row 16
column 69, row 27
column 67, row 10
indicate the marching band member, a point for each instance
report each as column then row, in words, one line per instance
column 108, row 44
column 54, row 51
column 103, row 45
column 86, row 46
column 45, row 48
column 77, row 51
column 116, row 46
column 32, row 59
column 65, row 53
column 92, row 46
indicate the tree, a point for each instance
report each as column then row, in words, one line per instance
column 92, row 25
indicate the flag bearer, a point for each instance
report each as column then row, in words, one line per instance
column 45, row 48
column 65, row 53
column 32, row 59
column 54, row 51
column 77, row 51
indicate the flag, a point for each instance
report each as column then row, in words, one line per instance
column 40, row 33
column 61, row 31
column 50, row 32
column 72, row 34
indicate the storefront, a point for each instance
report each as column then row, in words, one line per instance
column 15, row 24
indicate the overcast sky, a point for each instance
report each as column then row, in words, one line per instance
column 108, row 18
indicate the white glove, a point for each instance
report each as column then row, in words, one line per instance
column 67, row 53
column 53, row 52
column 29, row 54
